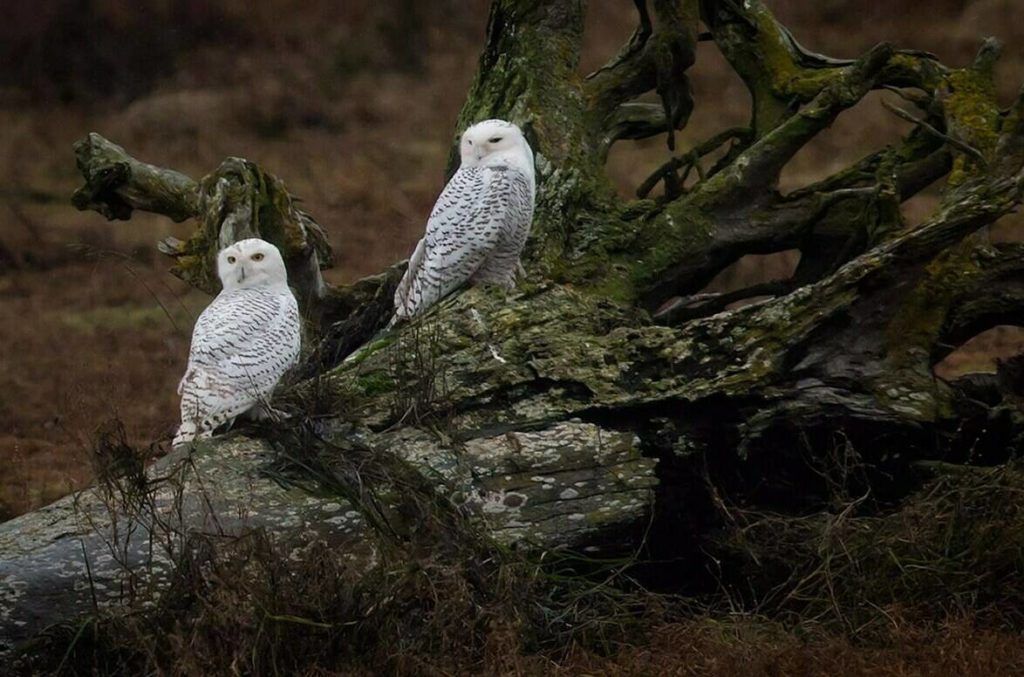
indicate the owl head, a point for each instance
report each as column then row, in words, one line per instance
column 251, row 263
column 495, row 140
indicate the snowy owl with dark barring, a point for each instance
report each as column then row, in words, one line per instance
column 242, row 343
column 479, row 224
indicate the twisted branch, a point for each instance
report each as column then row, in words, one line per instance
column 955, row 143
column 657, row 55
column 668, row 172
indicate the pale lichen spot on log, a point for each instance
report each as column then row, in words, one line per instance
column 495, row 355
column 501, row 501
column 525, row 484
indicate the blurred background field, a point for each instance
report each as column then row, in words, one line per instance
column 353, row 105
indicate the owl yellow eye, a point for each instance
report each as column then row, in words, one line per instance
column 257, row 257
column 231, row 259
column 494, row 139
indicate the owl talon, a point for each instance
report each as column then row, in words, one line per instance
column 265, row 412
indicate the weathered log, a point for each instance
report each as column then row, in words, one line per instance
column 572, row 484
column 90, row 551
column 569, row 377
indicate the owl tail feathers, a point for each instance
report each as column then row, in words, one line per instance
column 405, row 310
column 188, row 432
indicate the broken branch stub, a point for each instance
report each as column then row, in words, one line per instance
column 238, row 200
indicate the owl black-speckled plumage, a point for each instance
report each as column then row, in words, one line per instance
column 242, row 343
column 479, row 224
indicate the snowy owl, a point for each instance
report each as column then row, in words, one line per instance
column 479, row 224
column 242, row 343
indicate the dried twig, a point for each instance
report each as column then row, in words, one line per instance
column 690, row 160
column 955, row 143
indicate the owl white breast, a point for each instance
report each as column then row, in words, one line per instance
column 479, row 225
column 242, row 343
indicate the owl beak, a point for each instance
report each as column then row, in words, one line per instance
column 241, row 274
column 478, row 153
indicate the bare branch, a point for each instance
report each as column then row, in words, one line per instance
column 990, row 294
column 702, row 305
column 691, row 159
column 758, row 168
column 116, row 184
column 956, row 143
column 919, row 99
column 920, row 159
column 778, row 72
column 236, row 201
column 634, row 121
column 656, row 57
column 633, row 47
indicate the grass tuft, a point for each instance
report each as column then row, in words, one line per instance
column 954, row 549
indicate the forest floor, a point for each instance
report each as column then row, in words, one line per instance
column 356, row 115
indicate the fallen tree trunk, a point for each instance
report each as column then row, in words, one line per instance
column 121, row 544
column 550, row 410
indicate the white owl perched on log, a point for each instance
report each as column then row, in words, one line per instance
column 242, row 343
column 479, row 224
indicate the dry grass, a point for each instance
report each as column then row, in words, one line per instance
column 954, row 549
column 741, row 645
column 98, row 343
